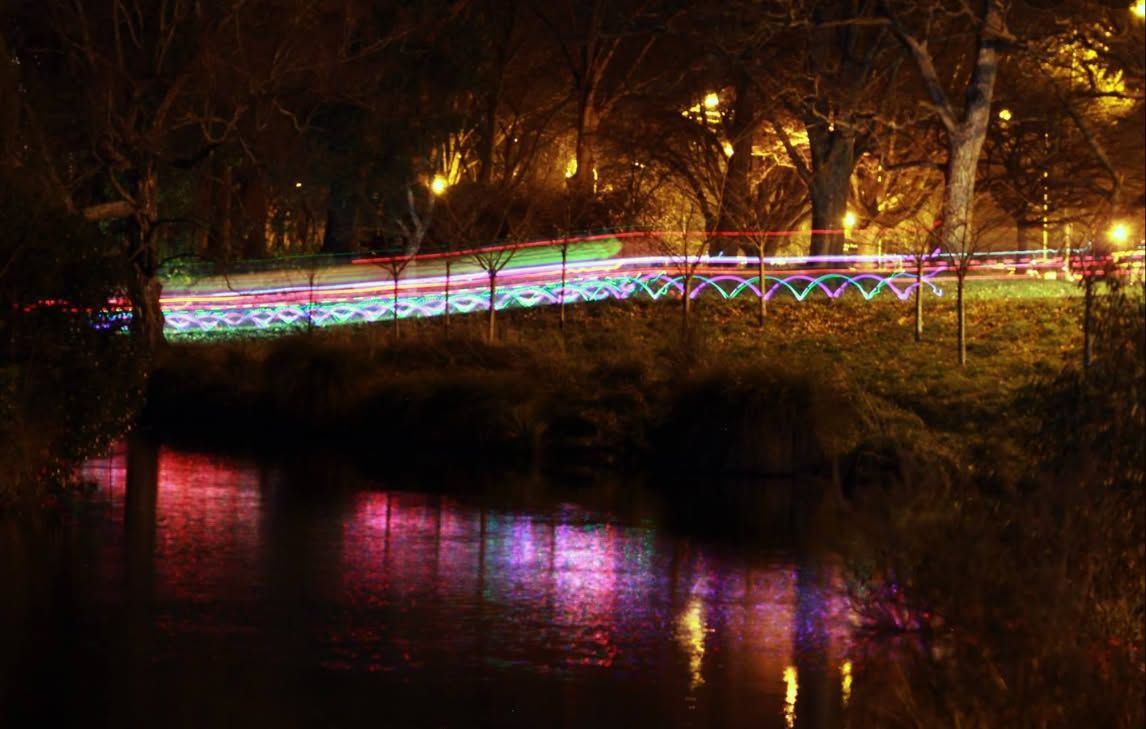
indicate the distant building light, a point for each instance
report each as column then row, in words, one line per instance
column 1005, row 114
column 728, row 150
column 850, row 220
column 438, row 185
column 298, row 184
column 711, row 100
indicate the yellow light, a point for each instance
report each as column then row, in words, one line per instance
column 298, row 184
column 571, row 168
column 1119, row 233
column 1139, row 8
column 727, row 146
column 690, row 633
column 791, row 686
column 438, row 185
column 711, row 100
column 1005, row 114
column 846, row 681
column 850, row 220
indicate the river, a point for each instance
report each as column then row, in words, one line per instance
column 187, row 589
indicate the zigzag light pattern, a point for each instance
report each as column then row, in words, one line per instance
column 281, row 308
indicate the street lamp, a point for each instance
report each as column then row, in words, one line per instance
column 1119, row 233
column 1139, row 8
column 711, row 100
column 438, row 185
column 849, row 224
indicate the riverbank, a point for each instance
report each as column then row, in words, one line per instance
column 621, row 387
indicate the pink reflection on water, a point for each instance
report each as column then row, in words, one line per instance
column 207, row 535
column 197, row 523
column 413, row 581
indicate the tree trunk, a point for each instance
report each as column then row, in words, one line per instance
column 341, row 218
column 144, row 287
column 204, row 209
column 588, row 122
column 763, row 285
column 966, row 127
column 1087, row 321
column 144, row 290
column 961, row 313
column 919, row 300
column 486, row 143
column 965, row 138
column 253, row 202
column 686, row 303
column 446, row 305
column 833, row 160
column 564, row 259
column 491, row 334
column 959, row 193
column 396, row 274
column 219, row 235
column 735, row 209
column 1027, row 232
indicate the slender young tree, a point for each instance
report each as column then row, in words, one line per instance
column 685, row 248
column 492, row 260
column 962, row 256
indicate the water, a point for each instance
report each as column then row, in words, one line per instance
column 191, row 590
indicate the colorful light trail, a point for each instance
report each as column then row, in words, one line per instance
column 598, row 268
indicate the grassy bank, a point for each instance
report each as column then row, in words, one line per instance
column 623, row 384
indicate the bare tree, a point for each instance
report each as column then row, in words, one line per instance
column 685, row 248
column 120, row 94
column 412, row 226
column 1094, row 268
column 917, row 242
column 492, row 260
column 962, row 256
column 829, row 73
column 604, row 46
column 965, row 124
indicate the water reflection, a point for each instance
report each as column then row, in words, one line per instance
column 791, row 693
column 690, row 633
column 546, row 614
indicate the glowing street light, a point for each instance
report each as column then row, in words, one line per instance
column 1119, row 233
column 850, row 220
column 727, row 147
column 711, row 100
column 1005, row 114
column 438, row 185
column 1139, row 8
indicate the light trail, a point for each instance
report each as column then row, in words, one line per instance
column 597, row 267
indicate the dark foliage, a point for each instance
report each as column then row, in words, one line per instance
column 69, row 378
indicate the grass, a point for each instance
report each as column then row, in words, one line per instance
column 612, row 378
